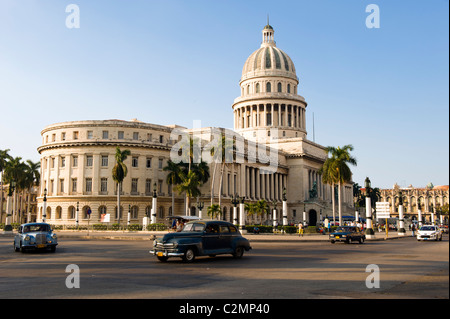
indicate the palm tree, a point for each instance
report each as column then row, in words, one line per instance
column 4, row 157
column 214, row 210
column 262, row 207
column 190, row 186
column 33, row 177
column 341, row 173
column 226, row 150
column 14, row 173
column 251, row 208
column 173, row 178
column 329, row 177
column 119, row 172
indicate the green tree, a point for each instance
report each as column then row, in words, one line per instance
column 119, row 172
column 214, row 210
column 251, row 208
column 4, row 157
column 329, row 177
column 262, row 208
column 338, row 171
column 173, row 178
column 190, row 185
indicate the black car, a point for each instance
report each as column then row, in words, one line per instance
column 201, row 238
column 348, row 234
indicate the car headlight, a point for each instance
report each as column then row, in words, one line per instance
column 54, row 236
column 27, row 238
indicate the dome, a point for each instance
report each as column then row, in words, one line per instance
column 268, row 60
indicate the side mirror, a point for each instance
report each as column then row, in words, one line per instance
column 19, row 230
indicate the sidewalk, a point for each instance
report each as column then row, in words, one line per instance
column 149, row 235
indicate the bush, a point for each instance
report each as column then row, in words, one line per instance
column 157, row 227
column 262, row 228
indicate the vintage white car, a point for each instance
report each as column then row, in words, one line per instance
column 35, row 236
column 429, row 232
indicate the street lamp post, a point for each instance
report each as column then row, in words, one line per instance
column 242, row 216
column 369, row 229
column 44, row 213
column 200, row 206
column 8, row 226
column 154, row 204
column 76, row 214
column 275, row 220
column 235, row 202
column 285, row 212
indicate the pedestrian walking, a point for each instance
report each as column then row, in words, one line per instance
column 413, row 228
column 300, row 229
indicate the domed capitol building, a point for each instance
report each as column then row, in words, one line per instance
column 269, row 117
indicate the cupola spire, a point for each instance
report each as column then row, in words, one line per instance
column 268, row 38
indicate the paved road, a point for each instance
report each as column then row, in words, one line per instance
column 124, row 269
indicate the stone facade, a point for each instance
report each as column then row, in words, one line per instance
column 269, row 118
column 428, row 199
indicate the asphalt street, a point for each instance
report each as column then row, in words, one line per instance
column 297, row 269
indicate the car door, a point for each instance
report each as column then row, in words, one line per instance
column 225, row 237
column 211, row 238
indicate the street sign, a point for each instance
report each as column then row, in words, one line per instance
column 383, row 210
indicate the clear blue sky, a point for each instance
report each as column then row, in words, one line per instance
column 385, row 91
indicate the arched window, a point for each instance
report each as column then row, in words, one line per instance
column 268, row 87
column 161, row 212
column 148, row 211
column 71, row 214
column 248, row 89
column 58, row 212
column 279, row 87
column 257, row 87
column 86, row 212
column 134, row 212
column 289, row 88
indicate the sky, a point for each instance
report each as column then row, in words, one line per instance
column 383, row 90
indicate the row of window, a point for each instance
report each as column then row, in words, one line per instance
column 102, row 210
column 268, row 87
column 104, row 162
column 104, row 183
column 105, row 135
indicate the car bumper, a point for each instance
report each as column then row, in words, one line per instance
column 166, row 253
column 39, row 246
column 427, row 237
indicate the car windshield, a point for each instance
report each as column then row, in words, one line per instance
column 427, row 228
column 36, row 228
column 194, row 227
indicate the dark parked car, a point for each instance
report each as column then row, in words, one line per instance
column 35, row 236
column 347, row 234
column 201, row 238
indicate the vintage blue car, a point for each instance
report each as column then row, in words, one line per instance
column 201, row 238
column 35, row 236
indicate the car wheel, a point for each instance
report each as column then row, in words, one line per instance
column 53, row 249
column 332, row 241
column 162, row 258
column 16, row 248
column 189, row 255
column 361, row 240
column 348, row 241
column 22, row 249
column 440, row 238
column 238, row 252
